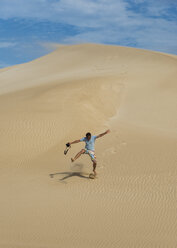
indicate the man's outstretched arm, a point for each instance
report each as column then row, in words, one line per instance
column 74, row 142
column 102, row 134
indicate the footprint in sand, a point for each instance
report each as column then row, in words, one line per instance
column 111, row 150
column 124, row 143
column 101, row 166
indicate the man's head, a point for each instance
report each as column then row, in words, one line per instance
column 88, row 136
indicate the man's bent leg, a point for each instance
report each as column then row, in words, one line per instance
column 78, row 155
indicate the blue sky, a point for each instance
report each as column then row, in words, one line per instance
column 31, row 28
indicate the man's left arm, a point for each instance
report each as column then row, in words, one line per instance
column 102, row 134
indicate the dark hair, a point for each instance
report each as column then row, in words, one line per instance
column 88, row 134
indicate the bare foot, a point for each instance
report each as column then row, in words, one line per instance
column 72, row 159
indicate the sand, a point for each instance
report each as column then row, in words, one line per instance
column 58, row 98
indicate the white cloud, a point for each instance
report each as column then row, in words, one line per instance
column 103, row 21
column 81, row 13
column 6, row 44
column 92, row 13
column 156, row 8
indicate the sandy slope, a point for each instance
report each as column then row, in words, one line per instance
column 59, row 97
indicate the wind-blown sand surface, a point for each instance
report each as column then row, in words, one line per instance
column 60, row 97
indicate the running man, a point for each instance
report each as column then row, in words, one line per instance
column 89, row 147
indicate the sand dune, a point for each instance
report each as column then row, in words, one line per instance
column 58, row 98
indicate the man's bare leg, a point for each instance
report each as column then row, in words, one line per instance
column 77, row 155
column 94, row 167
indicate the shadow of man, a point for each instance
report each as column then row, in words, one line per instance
column 68, row 174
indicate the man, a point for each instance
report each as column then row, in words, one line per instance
column 89, row 147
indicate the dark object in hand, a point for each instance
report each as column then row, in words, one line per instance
column 68, row 146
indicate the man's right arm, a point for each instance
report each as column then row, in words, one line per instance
column 74, row 142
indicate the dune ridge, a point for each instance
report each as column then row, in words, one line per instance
column 48, row 202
